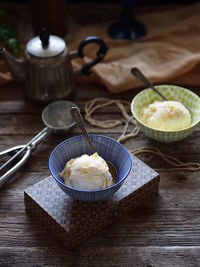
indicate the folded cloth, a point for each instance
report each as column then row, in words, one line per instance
column 169, row 53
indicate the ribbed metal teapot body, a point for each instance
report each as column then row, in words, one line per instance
column 48, row 79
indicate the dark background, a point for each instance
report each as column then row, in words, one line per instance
column 137, row 2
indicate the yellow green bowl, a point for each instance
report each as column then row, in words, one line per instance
column 171, row 92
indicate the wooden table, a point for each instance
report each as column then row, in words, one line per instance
column 164, row 232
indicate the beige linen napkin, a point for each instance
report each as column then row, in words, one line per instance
column 170, row 53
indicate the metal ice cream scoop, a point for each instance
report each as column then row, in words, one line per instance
column 57, row 118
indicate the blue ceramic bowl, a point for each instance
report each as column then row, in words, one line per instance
column 107, row 148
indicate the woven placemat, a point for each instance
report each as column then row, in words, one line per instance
column 73, row 221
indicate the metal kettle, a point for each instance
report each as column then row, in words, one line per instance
column 46, row 68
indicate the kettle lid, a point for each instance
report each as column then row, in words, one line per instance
column 45, row 45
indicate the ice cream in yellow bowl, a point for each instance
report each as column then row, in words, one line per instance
column 87, row 173
column 166, row 115
column 166, row 121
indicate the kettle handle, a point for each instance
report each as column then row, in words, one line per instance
column 99, row 55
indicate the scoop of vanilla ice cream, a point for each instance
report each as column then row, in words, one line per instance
column 166, row 115
column 87, row 173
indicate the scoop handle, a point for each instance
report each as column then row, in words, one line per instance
column 23, row 148
column 15, row 152
column 6, row 177
column 76, row 115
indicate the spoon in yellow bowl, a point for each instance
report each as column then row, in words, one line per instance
column 138, row 74
column 76, row 115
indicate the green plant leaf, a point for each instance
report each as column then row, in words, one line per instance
column 2, row 12
column 14, row 45
column 8, row 36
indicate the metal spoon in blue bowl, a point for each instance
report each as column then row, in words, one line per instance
column 76, row 115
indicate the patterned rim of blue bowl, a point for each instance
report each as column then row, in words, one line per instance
column 91, row 191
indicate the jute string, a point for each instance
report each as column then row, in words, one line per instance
column 98, row 103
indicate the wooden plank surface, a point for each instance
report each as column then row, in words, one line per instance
column 164, row 232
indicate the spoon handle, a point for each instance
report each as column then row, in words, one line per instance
column 75, row 112
column 138, row 74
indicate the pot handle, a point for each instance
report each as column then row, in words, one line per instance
column 99, row 55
